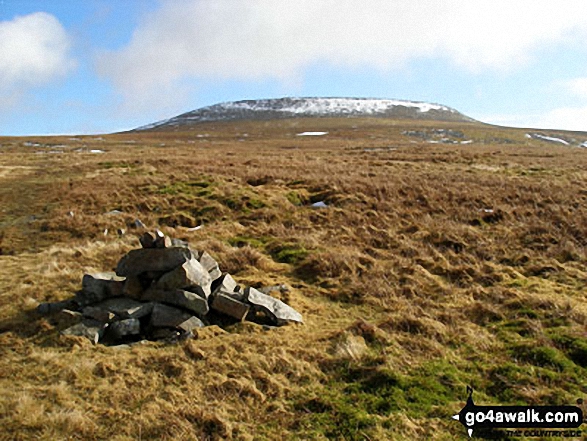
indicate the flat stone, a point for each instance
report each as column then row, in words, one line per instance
column 133, row 288
column 147, row 240
column 190, row 324
column 126, row 308
column 91, row 329
column 226, row 304
column 124, row 328
column 143, row 260
column 179, row 243
column 164, row 316
column 52, row 308
column 191, row 273
column 269, row 289
column 178, row 297
column 97, row 287
column 279, row 312
column 97, row 313
column 161, row 240
column 66, row 318
column 210, row 265
column 225, row 283
column 165, row 334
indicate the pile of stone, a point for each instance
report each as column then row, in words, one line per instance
column 164, row 291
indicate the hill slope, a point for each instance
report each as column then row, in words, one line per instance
column 443, row 255
column 282, row 108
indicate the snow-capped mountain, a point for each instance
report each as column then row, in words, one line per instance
column 281, row 108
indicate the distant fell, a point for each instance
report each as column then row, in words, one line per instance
column 282, row 108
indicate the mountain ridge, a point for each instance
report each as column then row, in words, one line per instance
column 313, row 107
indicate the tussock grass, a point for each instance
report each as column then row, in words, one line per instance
column 433, row 267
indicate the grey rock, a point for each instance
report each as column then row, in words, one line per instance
column 147, row 240
column 91, row 329
column 210, row 265
column 278, row 311
column 169, row 334
column 66, row 318
column 189, row 274
column 225, row 283
column 139, row 224
column 97, row 287
column 98, row 313
column 52, row 308
column 178, row 297
column 124, row 328
column 226, row 304
column 269, row 289
column 126, row 308
column 161, row 240
column 190, row 324
column 133, row 288
column 164, row 316
column 142, row 260
column 179, row 243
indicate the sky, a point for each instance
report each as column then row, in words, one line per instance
column 101, row 66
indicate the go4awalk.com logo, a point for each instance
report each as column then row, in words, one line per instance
column 475, row 417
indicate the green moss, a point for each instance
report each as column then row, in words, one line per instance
column 574, row 347
column 294, row 198
column 542, row 356
column 291, row 253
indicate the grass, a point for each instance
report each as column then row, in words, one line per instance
column 432, row 268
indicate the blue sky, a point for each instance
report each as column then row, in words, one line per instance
column 98, row 66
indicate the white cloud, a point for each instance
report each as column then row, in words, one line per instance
column 565, row 118
column 577, row 86
column 278, row 39
column 34, row 50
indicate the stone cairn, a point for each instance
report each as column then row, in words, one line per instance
column 164, row 291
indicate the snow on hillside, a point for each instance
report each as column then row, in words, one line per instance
column 325, row 106
column 311, row 107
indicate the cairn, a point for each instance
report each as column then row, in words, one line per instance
column 164, row 291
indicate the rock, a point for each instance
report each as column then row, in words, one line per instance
column 210, row 265
column 162, row 241
column 269, row 289
column 125, row 308
column 52, row 308
column 91, row 329
column 97, row 287
column 170, row 334
column 190, row 324
column 66, row 318
column 133, row 288
column 225, row 283
column 164, row 316
column 147, row 240
column 278, row 311
column 226, row 304
column 191, row 273
column 123, row 328
column 178, row 297
column 98, row 313
column 179, row 243
column 142, row 260
column 138, row 224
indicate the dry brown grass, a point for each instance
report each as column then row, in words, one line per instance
column 410, row 287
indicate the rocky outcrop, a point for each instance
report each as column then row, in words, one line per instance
column 164, row 291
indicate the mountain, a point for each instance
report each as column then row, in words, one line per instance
column 281, row 108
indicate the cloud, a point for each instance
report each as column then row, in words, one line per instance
column 266, row 39
column 34, row 50
column 565, row 118
column 577, row 86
